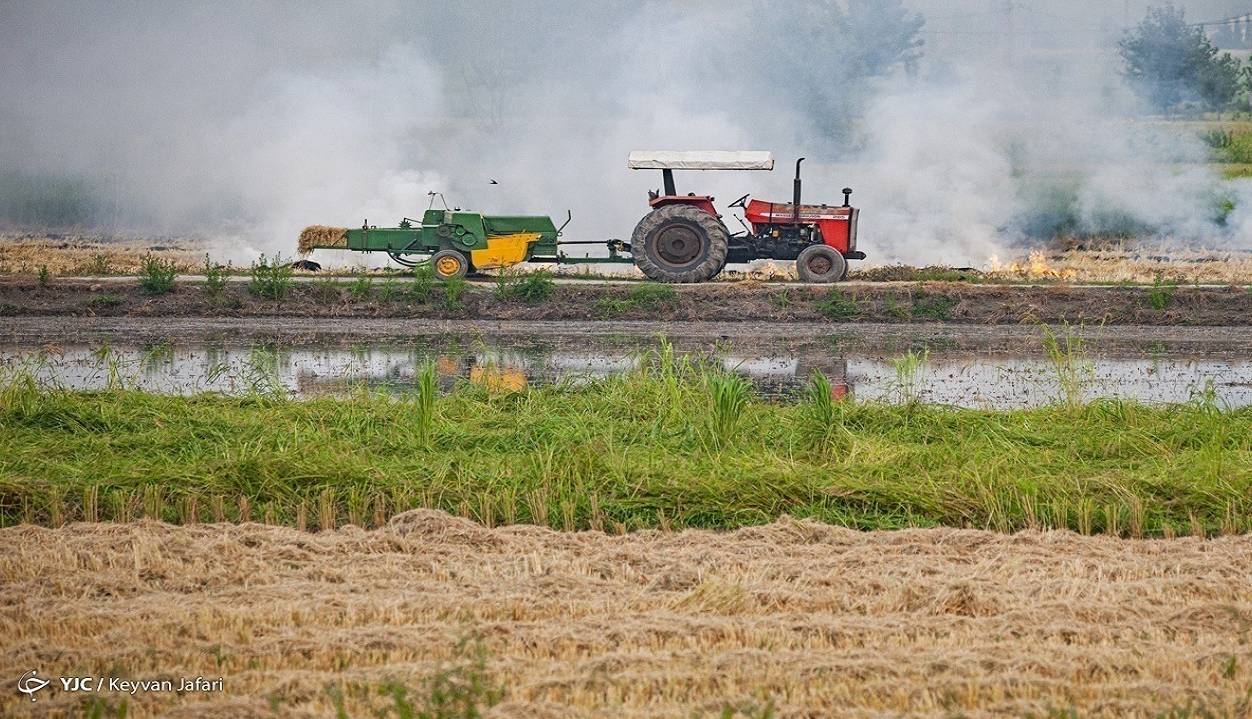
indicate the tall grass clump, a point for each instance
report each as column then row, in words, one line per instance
column 270, row 278
column 215, row 277
column 360, row 288
column 1162, row 293
column 156, row 276
column 1070, row 367
column 423, row 283
column 909, row 369
column 729, row 396
column 390, row 291
column 530, row 287
column 453, row 289
column 98, row 265
column 825, row 415
column 425, row 392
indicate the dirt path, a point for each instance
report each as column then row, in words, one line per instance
column 891, row 303
column 813, row 619
column 834, row 340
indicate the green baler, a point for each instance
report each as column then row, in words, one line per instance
column 457, row 242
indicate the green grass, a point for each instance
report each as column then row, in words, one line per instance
column 423, row 283
column 453, row 289
column 933, row 273
column 1230, row 146
column 529, row 287
column 1234, row 171
column 665, row 446
column 1162, row 293
column 391, row 291
column 104, row 301
column 214, row 277
column 360, row 288
column 644, row 296
column 932, row 307
column 838, row 306
column 156, row 276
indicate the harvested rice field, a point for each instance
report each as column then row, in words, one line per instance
column 795, row 618
column 72, row 253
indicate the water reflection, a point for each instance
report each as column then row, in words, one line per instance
column 970, row 381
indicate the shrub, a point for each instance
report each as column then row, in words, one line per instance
column 214, row 277
column 156, row 276
column 98, row 265
column 389, row 291
column 423, row 283
column 360, row 288
column 1162, row 293
column 453, row 288
column 270, row 279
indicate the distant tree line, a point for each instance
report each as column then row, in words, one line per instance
column 1176, row 68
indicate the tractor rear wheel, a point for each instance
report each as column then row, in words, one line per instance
column 821, row 263
column 680, row 243
column 449, row 263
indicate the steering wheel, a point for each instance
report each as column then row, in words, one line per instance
column 739, row 202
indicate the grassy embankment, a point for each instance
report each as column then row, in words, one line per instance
column 673, row 445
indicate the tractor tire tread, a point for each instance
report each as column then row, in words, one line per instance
column 838, row 270
column 714, row 230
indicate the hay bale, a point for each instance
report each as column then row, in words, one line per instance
column 315, row 236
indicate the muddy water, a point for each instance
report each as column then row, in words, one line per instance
column 959, row 377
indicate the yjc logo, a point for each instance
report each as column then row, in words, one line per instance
column 29, row 684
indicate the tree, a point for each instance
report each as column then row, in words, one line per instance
column 1171, row 63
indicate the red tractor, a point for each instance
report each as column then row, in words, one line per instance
column 683, row 238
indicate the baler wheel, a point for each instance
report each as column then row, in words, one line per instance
column 680, row 243
column 821, row 263
column 449, row 263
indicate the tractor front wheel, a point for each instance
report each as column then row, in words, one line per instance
column 821, row 263
column 449, row 263
column 680, row 243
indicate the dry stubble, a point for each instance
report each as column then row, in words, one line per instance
column 817, row 619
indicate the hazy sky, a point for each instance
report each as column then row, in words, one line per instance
column 249, row 120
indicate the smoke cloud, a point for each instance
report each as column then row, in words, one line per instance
column 245, row 123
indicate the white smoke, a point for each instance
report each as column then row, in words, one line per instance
column 248, row 122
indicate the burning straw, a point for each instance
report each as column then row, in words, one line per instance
column 315, row 236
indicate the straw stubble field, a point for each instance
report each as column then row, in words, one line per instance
column 795, row 618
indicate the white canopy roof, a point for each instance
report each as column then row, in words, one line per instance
column 700, row 160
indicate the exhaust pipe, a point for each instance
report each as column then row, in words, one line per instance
column 795, row 195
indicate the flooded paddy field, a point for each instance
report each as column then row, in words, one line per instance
column 968, row 366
